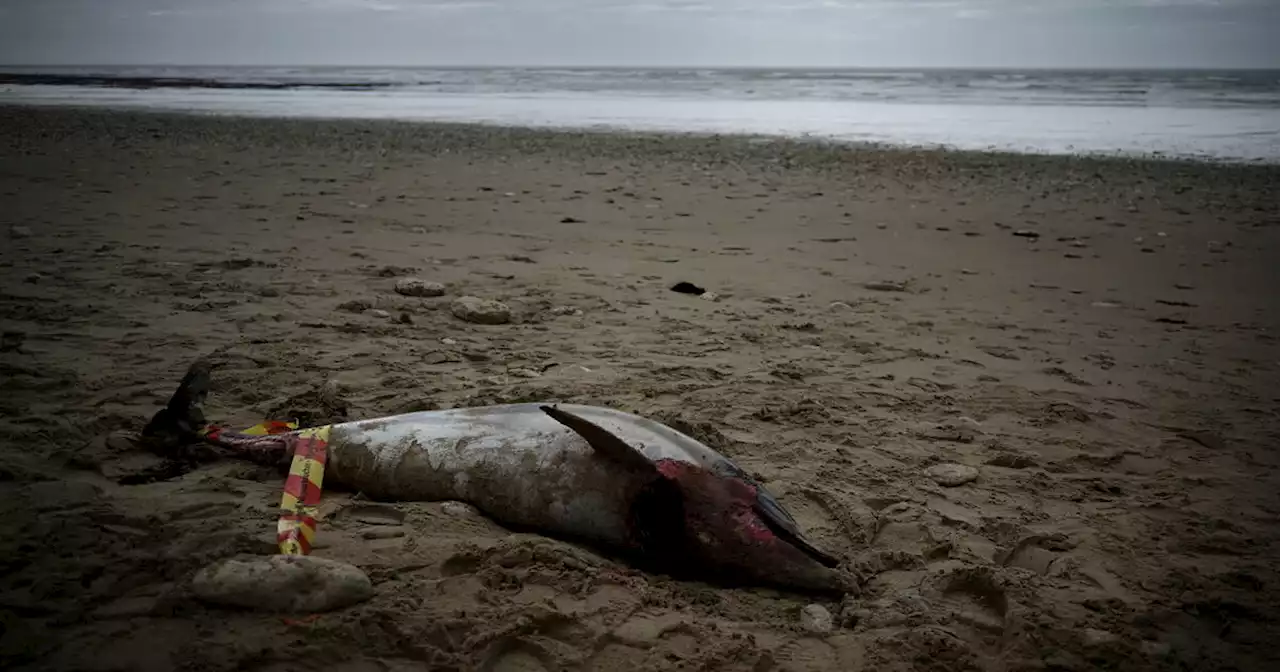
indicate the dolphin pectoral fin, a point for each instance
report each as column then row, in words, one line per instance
column 602, row 440
column 781, row 524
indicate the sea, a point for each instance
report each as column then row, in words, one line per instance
column 1214, row 115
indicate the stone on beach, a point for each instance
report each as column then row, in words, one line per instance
column 816, row 619
column 418, row 287
column 282, row 583
column 480, row 311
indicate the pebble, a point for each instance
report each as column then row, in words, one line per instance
column 418, row 287
column 480, row 311
column 19, row 232
column 567, row 310
column 1027, row 233
column 709, row 296
column 356, row 305
column 282, row 583
column 816, row 619
column 950, row 474
column 886, row 286
column 455, row 508
column 378, row 312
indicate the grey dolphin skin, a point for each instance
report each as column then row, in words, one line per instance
column 602, row 476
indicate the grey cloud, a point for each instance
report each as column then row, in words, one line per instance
column 875, row 33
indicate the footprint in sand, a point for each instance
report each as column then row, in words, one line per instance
column 516, row 655
column 974, row 596
column 806, row 653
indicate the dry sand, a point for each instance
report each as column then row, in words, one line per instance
column 1112, row 378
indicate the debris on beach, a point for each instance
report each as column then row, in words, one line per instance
column 480, row 311
column 282, row 583
column 418, row 287
column 688, row 288
column 886, row 286
column 356, row 305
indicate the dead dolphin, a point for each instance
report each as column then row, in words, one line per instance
column 584, row 472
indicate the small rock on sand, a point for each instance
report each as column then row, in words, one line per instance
column 480, row 311
column 816, row 619
column 418, row 287
column 356, row 305
column 886, row 286
column 455, row 508
column 282, row 583
column 19, row 232
column 949, row 474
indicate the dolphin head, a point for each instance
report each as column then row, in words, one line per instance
column 713, row 520
column 691, row 517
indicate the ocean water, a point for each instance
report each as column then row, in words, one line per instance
column 1213, row 115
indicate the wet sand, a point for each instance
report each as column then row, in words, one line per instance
column 1096, row 337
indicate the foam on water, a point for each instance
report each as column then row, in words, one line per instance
column 1226, row 115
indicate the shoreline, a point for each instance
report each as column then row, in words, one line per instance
column 812, row 150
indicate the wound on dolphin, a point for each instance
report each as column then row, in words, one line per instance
column 611, row 479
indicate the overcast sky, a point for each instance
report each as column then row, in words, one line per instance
column 874, row 33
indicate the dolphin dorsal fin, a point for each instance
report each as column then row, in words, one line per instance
column 604, row 442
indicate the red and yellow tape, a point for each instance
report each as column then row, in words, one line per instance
column 296, row 529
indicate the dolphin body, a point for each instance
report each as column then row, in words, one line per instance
column 595, row 474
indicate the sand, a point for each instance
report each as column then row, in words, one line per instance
column 1096, row 338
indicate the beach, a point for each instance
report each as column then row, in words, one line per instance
column 1097, row 337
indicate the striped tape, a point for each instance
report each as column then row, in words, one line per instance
column 296, row 529
column 271, row 427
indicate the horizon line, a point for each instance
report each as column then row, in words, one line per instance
column 553, row 66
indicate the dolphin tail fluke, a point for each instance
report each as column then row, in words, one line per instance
column 182, row 419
